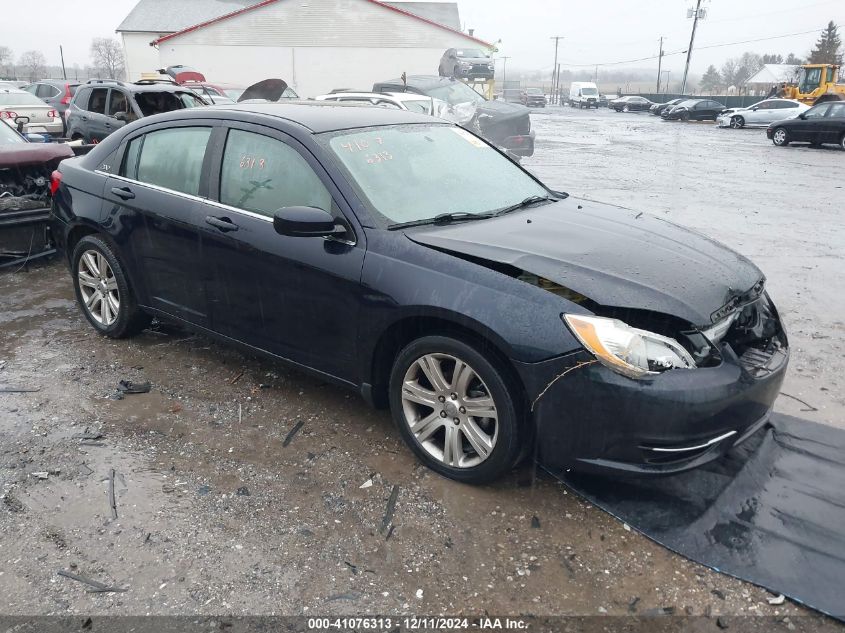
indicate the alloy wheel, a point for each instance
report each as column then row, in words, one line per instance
column 449, row 410
column 737, row 122
column 98, row 287
column 626, row 109
column 779, row 136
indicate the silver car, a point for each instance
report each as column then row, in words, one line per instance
column 39, row 118
column 762, row 113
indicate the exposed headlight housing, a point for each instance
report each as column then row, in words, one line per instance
column 627, row 350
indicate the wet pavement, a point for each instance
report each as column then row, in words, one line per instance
column 242, row 487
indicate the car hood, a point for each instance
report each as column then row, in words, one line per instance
column 614, row 256
column 502, row 109
column 475, row 60
column 26, row 154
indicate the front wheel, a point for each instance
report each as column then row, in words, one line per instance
column 684, row 116
column 780, row 137
column 842, row 142
column 102, row 290
column 456, row 409
column 626, row 109
column 737, row 122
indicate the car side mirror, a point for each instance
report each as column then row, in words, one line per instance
column 306, row 222
column 121, row 116
column 802, row 116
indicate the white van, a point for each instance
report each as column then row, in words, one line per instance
column 583, row 94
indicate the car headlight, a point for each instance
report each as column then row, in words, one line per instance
column 466, row 65
column 627, row 350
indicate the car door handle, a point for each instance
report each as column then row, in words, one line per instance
column 224, row 224
column 123, row 192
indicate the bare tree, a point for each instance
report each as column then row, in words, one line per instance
column 107, row 55
column 34, row 65
column 7, row 68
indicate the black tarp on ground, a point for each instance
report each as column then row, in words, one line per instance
column 772, row 512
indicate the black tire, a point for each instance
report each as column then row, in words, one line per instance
column 842, row 142
column 510, row 433
column 684, row 116
column 780, row 137
column 130, row 318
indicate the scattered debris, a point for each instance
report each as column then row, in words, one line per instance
column 660, row 611
column 626, row 527
column 176, row 408
column 129, row 387
column 43, row 474
column 353, row 568
column 367, row 483
column 87, row 436
column 806, row 404
column 203, row 490
column 98, row 587
column 13, row 503
column 419, row 594
column 293, row 432
column 776, row 600
column 632, row 606
column 718, row 594
column 535, row 522
column 19, row 389
column 390, row 533
column 243, row 491
column 236, row 377
column 112, row 501
column 721, row 623
column 391, row 508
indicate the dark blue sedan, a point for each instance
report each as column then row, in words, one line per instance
column 406, row 258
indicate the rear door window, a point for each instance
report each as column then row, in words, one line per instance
column 45, row 91
column 97, row 100
column 262, row 175
column 118, row 102
column 837, row 110
column 169, row 158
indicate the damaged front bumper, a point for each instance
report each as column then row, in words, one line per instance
column 594, row 419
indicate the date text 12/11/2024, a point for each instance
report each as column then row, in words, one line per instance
column 426, row 623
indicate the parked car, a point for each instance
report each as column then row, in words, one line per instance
column 603, row 101
column 821, row 124
column 40, row 117
column 54, row 92
column 407, row 259
column 658, row 108
column 505, row 125
column 102, row 106
column 466, row 63
column 512, row 95
column 762, row 113
column 583, row 94
column 630, row 104
column 395, row 100
column 226, row 93
column 25, row 169
column 694, row 110
column 533, row 97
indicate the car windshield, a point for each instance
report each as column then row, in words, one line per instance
column 534, row 91
column 157, row 102
column 19, row 98
column 688, row 103
column 455, row 92
column 289, row 93
column 416, row 172
column 589, row 91
column 234, row 93
column 8, row 136
column 469, row 52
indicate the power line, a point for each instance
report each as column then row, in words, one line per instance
column 683, row 52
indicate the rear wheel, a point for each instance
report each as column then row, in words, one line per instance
column 456, row 409
column 102, row 290
column 737, row 122
column 780, row 137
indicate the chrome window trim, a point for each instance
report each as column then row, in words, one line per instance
column 219, row 205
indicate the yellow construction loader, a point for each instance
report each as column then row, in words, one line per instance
column 816, row 83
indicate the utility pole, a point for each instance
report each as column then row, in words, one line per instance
column 659, row 64
column 62, row 55
column 505, row 58
column 555, row 72
column 691, row 42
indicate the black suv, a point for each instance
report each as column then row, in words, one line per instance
column 103, row 105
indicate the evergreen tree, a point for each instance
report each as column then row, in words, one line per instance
column 711, row 81
column 827, row 50
column 793, row 59
column 772, row 58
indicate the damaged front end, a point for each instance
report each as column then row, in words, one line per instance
column 654, row 394
column 25, row 198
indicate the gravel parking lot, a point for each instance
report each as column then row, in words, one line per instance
column 244, row 488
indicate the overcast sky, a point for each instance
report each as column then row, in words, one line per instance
column 595, row 32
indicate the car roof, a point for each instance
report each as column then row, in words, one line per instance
column 57, row 82
column 419, row 81
column 398, row 96
column 135, row 87
column 322, row 116
column 13, row 91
